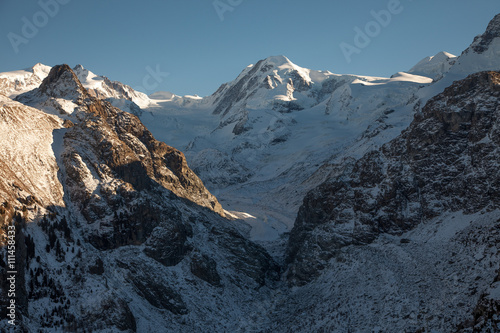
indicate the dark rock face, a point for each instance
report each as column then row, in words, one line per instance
column 62, row 81
column 97, row 268
column 113, row 312
column 447, row 160
column 246, row 257
column 486, row 314
column 168, row 243
column 120, row 141
column 481, row 43
column 123, row 144
column 157, row 293
column 205, row 268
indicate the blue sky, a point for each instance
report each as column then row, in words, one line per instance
column 201, row 47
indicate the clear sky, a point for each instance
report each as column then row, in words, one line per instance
column 201, row 46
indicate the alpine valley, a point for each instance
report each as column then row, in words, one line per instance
column 295, row 200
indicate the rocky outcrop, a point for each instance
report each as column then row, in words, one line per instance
column 62, row 83
column 481, row 43
column 205, row 268
column 135, row 231
column 110, row 311
column 157, row 293
column 121, row 142
column 445, row 161
column 486, row 314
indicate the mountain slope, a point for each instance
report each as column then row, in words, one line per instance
column 135, row 236
column 439, row 179
column 112, row 128
column 103, row 88
column 483, row 53
column 29, row 166
column 17, row 82
column 403, row 184
column 264, row 134
column 435, row 66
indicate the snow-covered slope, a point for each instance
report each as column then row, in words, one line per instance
column 483, row 53
column 437, row 185
column 18, row 82
column 279, row 123
column 435, row 66
column 104, row 88
column 28, row 164
column 265, row 133
column 15, row 83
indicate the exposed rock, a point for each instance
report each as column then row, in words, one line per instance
column 205, row 268
column 128, row 199
column 168, row 243
column 111, row 311
column 482, row 42
column 97, row 268
column 63, row 83
column 445, row 161
column 248, row 258
column 158, row 294
column 120, row 141
column 486, row 315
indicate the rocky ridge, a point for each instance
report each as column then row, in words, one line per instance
column 445, row 162
column 134, row 232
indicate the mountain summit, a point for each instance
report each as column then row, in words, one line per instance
column 483, row 42
column 63, row 83
column 483, row 53
column 435, row 66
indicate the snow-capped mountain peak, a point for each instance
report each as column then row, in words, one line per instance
column 63, row 83
column 482, row 54
column 481, row 43
column 87, row 77
column 40, row 70
column 435, row 66
column 20, row 81
column 102, row 87
column 372, row 204
column 279, row 60
column 282, row 66
column 59, row 93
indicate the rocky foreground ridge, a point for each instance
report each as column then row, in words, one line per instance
column 118, row 226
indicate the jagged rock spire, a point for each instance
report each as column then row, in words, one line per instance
column 63, row 83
